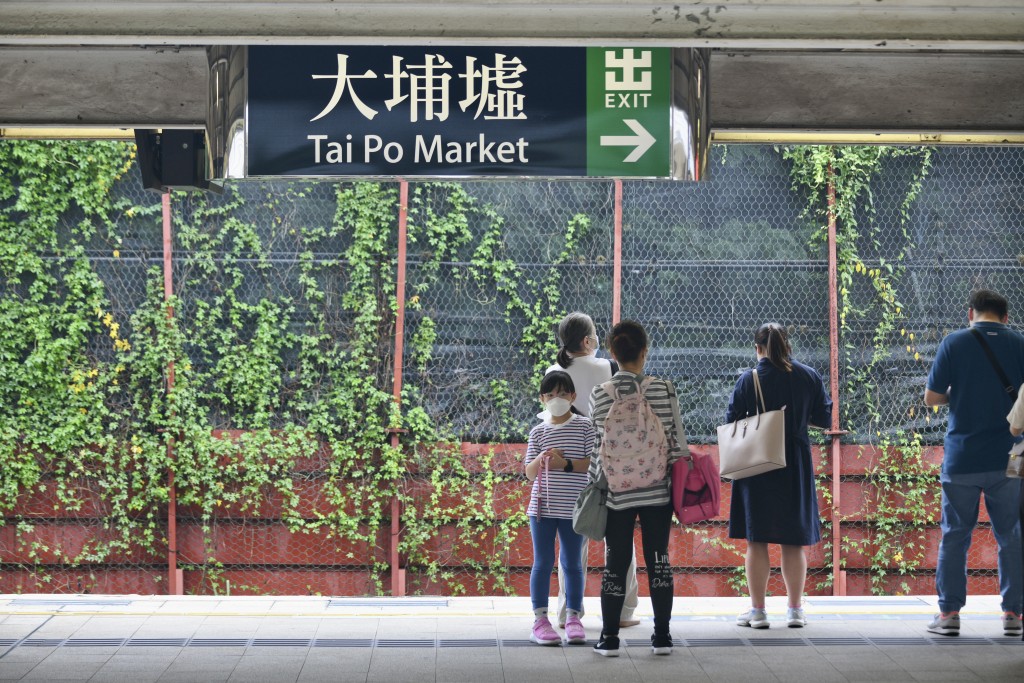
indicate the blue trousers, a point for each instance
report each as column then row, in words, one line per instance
column 544, row 530
column 961, row 494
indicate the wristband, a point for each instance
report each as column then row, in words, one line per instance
column 568, row 466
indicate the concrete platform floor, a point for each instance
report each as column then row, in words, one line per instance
column 141, row 639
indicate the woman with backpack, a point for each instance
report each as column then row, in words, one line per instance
column 780, row 506
column 577, row 355
column 639, row 436
column 557, row 459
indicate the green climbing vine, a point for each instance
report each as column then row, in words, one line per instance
column 71, row 431
column 900, row 481
column 281, row 402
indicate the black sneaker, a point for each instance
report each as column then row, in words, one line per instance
column 607, row 646
column 661, row 645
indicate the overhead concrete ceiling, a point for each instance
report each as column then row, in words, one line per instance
column 925, row 66
column 864, row 24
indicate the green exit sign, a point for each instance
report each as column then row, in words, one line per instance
column 629, row 105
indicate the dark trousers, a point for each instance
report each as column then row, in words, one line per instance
column 655, row 525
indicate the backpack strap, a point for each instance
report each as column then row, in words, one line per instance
column 610, row 389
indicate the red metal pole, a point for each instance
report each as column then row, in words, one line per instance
column 617, row 256
column 397, row 571
column 174, row 575
column 835, row 449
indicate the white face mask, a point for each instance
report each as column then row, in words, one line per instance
column 558, row 406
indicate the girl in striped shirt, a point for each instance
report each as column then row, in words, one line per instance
column 650, row 505
column 557, row 460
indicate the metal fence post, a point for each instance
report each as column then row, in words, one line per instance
column 834, row 432
column 397, row 571
column 617, row 255
column 174, row 575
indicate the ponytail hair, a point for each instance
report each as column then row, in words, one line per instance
column 572, row 332
column 772, row 338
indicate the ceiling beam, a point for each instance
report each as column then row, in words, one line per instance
column 743, row 24
column 750, row 90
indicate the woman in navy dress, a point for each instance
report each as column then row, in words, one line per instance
column 780, row 506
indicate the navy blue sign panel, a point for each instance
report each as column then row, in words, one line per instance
column 393, row 111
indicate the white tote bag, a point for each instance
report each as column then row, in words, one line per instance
column 753, row 444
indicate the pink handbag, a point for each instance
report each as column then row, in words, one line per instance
column 696, row 489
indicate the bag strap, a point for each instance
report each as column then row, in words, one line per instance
column 680, row 434
column 1007, row 384
column 546, row 497
column 758, row 396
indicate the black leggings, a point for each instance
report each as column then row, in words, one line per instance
column 655, row 525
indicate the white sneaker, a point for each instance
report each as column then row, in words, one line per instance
column 945, row 624
column 754, row 618
column 795, row 617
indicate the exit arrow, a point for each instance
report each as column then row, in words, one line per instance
column 641, row 142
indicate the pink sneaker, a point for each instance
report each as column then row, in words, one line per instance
column 574, row 632
column 543, row 634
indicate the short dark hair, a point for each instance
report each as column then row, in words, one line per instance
column 987, row 301
column 557, row 379
column 627, row 340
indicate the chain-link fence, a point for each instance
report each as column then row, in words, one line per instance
column 285, row 319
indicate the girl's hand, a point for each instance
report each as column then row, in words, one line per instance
column 555, row 459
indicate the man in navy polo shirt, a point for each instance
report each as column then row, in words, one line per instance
column 976, row 451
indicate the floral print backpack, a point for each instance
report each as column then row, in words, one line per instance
column 634, row 448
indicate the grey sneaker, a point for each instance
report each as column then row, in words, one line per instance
column 947, row 624
column 795, row 617
column 1012, row 624
column 754, row 618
